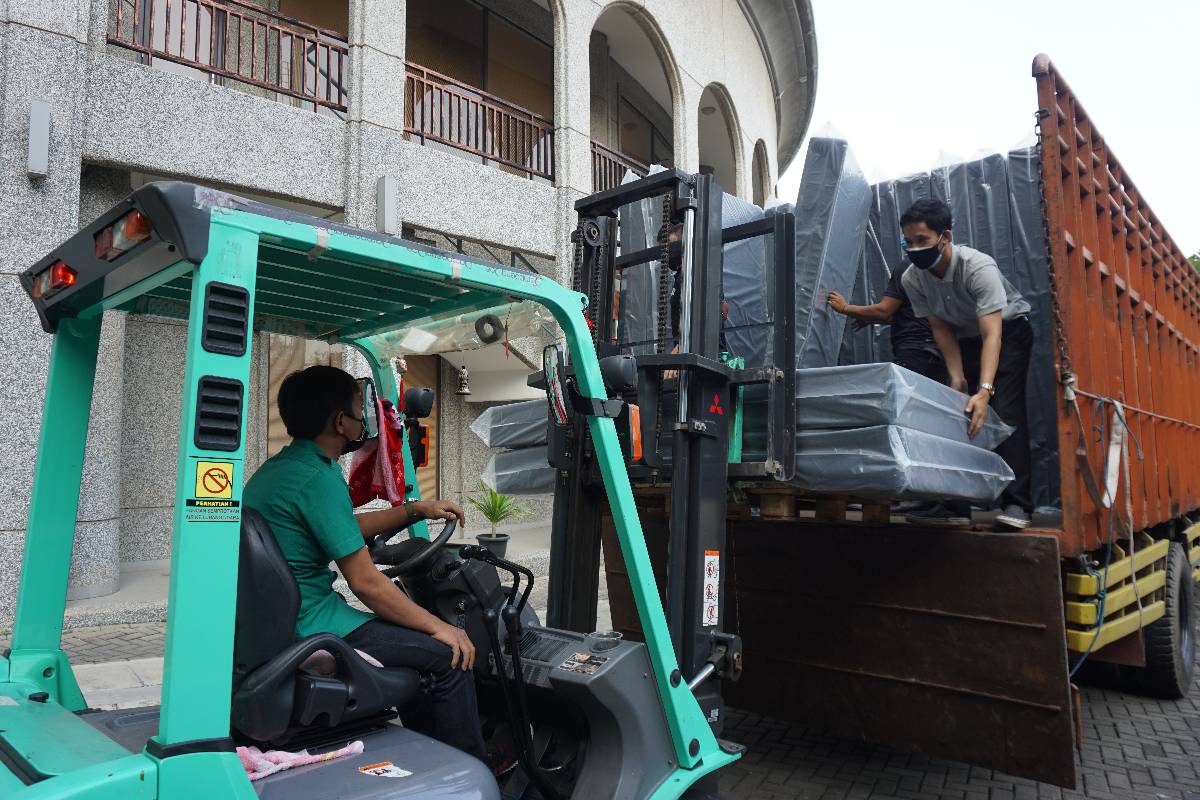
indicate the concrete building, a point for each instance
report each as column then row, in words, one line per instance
column 491, row 116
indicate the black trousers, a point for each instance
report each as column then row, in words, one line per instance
column 1009, row 402
column 450, row 712
column 922, row 362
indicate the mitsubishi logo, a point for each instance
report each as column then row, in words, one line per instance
column 715, row 408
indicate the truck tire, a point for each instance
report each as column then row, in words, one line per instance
column 1171, row 640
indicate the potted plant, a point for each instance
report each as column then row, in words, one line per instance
column 495, row 508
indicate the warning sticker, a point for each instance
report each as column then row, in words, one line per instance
column 214, row 479
column 583, row 663
column 384, row 769
column 712, row 587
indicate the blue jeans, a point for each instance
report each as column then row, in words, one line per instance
column 450, row 712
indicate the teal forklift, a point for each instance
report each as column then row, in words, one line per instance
column 590, row 715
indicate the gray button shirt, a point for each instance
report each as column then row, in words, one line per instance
column 971, row 288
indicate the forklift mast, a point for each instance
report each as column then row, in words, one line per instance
column 680, row 407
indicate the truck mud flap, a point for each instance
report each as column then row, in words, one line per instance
column 950, row 643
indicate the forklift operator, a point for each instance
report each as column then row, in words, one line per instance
column 302, row 495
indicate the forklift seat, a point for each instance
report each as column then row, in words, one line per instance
column 274, row 700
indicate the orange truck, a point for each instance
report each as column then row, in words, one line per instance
column 964, row 645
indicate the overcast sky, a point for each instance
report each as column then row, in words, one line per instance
column 905, row 82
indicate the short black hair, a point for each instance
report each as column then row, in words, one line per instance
column 933, row 213
column 308, row 398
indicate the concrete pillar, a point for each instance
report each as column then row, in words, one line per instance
column 376, row 111
column 573, row 25
column 42, row 46
column 687, row 124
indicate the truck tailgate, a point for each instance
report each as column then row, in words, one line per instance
column 945, row 642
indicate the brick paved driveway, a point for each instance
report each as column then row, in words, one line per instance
column 110, row 642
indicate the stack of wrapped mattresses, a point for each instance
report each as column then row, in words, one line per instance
column 867, row 429
column 520, row 430
column 879, row 430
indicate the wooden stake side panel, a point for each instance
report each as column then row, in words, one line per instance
column 1130, row 305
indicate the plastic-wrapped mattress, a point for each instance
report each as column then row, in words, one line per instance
column 524, row 471
column 888, row 461
column 861, row 395
column 520, row 424
column 831, row 222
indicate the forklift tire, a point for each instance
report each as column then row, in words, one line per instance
column 1171, row 640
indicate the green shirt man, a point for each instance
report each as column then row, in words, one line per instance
column 302, row 495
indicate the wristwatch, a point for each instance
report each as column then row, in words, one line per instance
column 991, row 390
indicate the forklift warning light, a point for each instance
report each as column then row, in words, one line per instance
column 122, row 236
column 54, row 279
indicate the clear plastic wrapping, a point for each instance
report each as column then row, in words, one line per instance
column 746, row 285
column 512, row 424
column 831, row 220
column 524, row 471
column 888, row 461
column 1032, row 279
column 886, row 394
column 461, row 332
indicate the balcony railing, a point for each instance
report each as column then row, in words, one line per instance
column 241, row 42
column 609, row 166
column 438, row 108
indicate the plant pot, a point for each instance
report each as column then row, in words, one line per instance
column 496, row 542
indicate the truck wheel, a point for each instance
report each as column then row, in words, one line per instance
column 1171, row 640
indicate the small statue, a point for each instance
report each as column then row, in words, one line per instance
column 464, row 387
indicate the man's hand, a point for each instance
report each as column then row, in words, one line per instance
column 958, row 383
column 439, row 509
column 458, row 641
column 837, row 302
column 977, row 407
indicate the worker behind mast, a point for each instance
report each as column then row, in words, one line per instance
column 912, row 341
column 981, row 325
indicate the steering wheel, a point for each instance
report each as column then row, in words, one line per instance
column 410, row 555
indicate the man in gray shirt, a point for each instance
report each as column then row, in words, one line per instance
column 981, row 325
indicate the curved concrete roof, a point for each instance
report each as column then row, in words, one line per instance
column 788, row 38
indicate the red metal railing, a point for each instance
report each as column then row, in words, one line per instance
column 1129, row 304
column 440, row 109
column 608, row 167
column 241, row 42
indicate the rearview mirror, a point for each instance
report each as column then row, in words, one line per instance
column 369, row 411
column 418, row 402
column 556, row 390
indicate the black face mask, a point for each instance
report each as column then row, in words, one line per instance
column 353, row 444
column 925, row 257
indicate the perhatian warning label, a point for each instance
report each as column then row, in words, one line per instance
column 712, row 587
column 213, row 500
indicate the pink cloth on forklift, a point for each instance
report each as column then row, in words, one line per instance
column 377, row 468
column 322, row 662
column 259, row 764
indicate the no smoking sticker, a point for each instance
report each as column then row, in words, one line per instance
column 214, row 480
column 384, row 769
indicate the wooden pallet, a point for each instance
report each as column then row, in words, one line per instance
column 783, row 502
